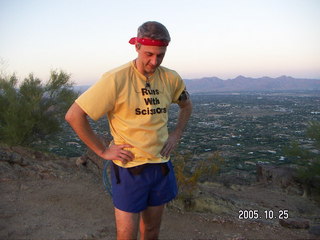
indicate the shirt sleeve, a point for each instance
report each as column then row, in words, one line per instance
column 99, row 98
column 178, row 88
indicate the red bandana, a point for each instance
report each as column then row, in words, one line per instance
column 149, row 42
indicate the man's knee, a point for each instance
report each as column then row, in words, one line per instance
column 150, row 222
column 147, row 227
column 149, row 231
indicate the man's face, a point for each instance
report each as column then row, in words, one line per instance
column 149, row 58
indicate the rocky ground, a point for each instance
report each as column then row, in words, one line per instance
column 48, row 197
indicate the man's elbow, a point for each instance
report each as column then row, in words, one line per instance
column 74, row 113
column 68, row 117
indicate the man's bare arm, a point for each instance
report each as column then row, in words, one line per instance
column 77, row 119
column 174, row 137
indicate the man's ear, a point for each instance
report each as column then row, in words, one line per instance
column 138, row 46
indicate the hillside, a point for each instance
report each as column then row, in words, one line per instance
column 44, row 196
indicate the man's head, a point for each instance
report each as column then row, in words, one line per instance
column 154, row 30
column 151, row 44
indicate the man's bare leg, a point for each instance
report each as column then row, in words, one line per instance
column 127, row 224
column 150, row 222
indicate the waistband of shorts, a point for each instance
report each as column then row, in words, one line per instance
column 137, row 170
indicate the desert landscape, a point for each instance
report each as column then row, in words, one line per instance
column 44, row 196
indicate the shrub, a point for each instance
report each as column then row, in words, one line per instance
column 34, row 111
column 188, row 177
column 308, row 160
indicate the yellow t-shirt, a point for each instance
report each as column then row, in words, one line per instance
column 137, row 114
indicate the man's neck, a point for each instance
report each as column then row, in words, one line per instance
column 141, row 70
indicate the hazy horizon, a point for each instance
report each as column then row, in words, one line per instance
column 208, row 77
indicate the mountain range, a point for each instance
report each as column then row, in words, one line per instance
column 245, row 84
column 241, row 83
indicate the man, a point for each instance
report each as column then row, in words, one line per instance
column 136, row 99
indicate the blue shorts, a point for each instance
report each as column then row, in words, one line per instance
column 134, row 193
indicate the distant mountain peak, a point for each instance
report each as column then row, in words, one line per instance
column 240, row 77
column 285, row 77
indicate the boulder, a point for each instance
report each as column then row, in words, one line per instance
column 279, row 176
column 315, row 230
column 295, row 223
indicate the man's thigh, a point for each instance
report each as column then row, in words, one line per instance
column 127, row 224
column 151, row 217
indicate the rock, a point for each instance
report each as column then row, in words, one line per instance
column 287, row 178
column 315, row 230
column 15, row 158
column 90, row 156
column 6, row 155
column 81, row 161
column 281, row 176
column 295, row 223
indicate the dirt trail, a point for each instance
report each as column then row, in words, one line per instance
column 55, row 199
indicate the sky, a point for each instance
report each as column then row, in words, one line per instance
column 221, row 38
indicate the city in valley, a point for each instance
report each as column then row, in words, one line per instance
column 245, row 128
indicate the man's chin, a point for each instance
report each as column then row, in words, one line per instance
column 150, row 71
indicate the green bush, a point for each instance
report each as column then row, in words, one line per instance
column 33, row 111
column 308, row 160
